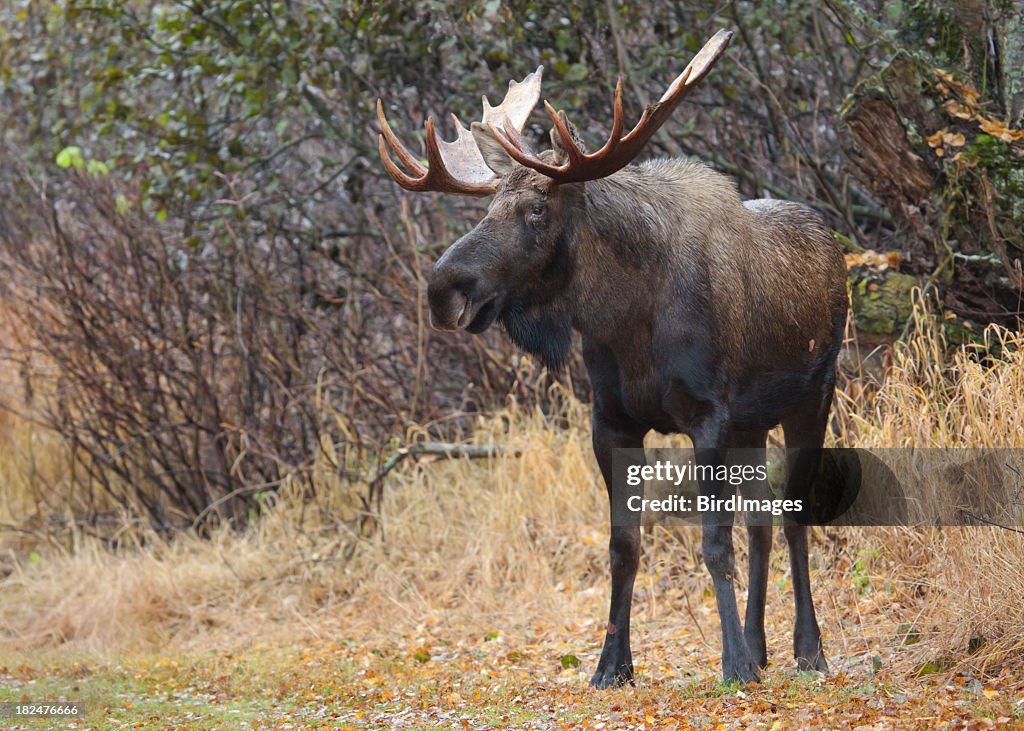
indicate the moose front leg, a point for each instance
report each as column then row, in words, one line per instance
column 615, row 667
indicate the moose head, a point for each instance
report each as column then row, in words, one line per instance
column 515, row 261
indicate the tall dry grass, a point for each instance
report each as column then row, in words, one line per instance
column 519, row 543
column 967, row 580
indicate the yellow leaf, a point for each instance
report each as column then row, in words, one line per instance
column 990, row 693
column 998, row 129
column 954, row 139
column 958, row 110
column 969, row 93
column 936, row 139
column 880, row 260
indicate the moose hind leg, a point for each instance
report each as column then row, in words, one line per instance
column 759, row 546
column 807, row 647
column 716, row 543
column 751, row 452
column 804, row 439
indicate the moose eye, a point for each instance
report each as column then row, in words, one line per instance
column 537, row 211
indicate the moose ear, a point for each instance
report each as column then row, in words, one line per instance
column 493, row 153
column 556, row 139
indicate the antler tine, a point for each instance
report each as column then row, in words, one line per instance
column 573, row 153
column 619, row 150
column 453, row 167
column 616, row 135
column 518, row 104
column 387, row 139
column 509, row 138
column 458, row 166
column 435, row 162
column 393, row 141
column 614, row 138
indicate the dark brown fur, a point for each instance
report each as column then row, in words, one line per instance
column 698, row 314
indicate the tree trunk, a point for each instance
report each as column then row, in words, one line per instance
column 1009, row 37
column 928, row 134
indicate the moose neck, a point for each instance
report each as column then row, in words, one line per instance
column 539, row 319
column 620, row 255
column 595, row 282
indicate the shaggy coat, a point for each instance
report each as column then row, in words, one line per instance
column 698, row 313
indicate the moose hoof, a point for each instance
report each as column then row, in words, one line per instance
column 742, row 672
column 808, row 652
column 610, row 677
column 813, row 662
column 758, row 649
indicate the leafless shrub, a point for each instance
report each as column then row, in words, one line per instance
column 190, row 378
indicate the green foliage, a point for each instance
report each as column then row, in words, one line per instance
column 569, row 661
column 71, row 157
column 984, row 189
column 940, row 30
column 181, row 96
column 1002, row 166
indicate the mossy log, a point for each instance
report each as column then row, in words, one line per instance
column 882, row 301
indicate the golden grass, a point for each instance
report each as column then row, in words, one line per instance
column 518, row 544
column 966, row 580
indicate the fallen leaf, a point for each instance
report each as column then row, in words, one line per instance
column 999, row 129
column 936, row 139
column 954, row 139
column 958, row 110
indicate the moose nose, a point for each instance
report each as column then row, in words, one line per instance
column 448, row 295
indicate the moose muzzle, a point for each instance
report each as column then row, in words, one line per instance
column 449, row 308
column 458, row 296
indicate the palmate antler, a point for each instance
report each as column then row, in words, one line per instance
column 459, row 167
column 618, row 151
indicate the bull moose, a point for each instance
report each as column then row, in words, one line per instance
column 698, row 313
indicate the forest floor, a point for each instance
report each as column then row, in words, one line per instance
column 527, row 678
column 480, row 603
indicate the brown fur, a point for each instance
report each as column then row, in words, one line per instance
column 774, row 274
column 698, row 314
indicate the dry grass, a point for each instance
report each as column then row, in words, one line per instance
column 518, row 544
column 966, row 580
column 934, row 396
